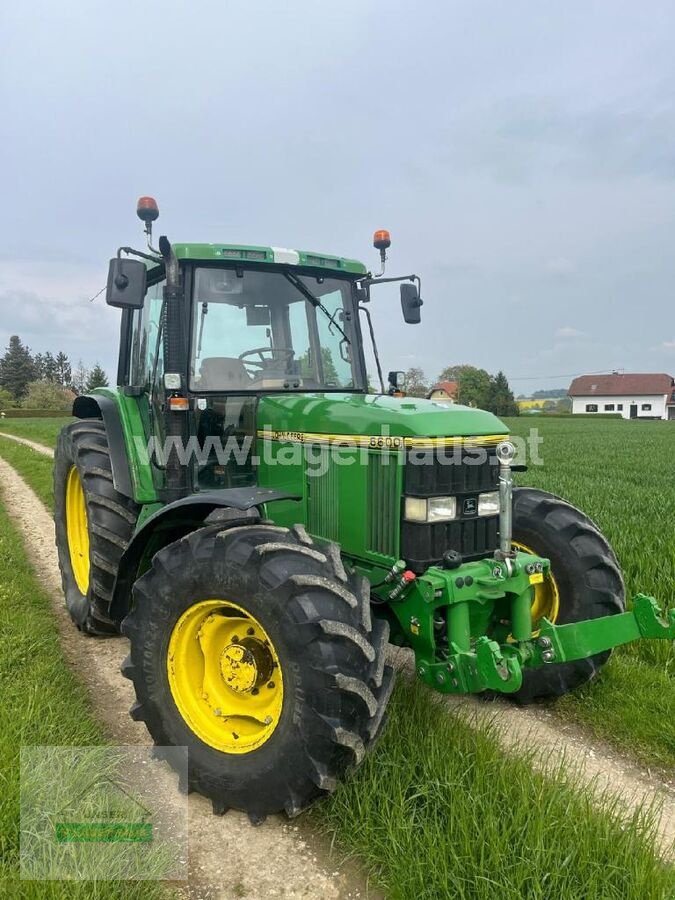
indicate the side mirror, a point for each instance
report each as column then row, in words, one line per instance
column 396, row 382
column 410, row 304
column 127, row 279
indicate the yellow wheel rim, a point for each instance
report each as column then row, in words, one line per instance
column 225, row 676
column 77, row 530
column 546, row 601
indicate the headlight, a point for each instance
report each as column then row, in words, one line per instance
column 488, row 504
column 442, row 509
column 435, row 509
column 415, row 509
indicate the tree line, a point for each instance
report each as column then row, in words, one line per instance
column 43, row 380
column 476, row 387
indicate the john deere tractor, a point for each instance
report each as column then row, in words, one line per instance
column 260, row 526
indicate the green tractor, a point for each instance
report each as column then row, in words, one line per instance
column 261, row 527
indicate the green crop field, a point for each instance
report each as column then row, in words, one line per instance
column 622, row 474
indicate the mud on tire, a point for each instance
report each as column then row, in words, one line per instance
column 317, row 616
column 111, row 518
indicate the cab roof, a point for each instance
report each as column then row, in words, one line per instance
column 272, row 255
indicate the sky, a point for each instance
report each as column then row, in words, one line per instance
column 521, row 153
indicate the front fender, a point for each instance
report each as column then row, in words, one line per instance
column 232, row 506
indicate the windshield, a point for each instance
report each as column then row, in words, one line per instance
column 256, row 331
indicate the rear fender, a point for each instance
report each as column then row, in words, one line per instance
column 98, row 406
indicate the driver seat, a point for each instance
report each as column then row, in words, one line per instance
column 226, row 373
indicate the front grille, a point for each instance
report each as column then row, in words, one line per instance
column 464, row 475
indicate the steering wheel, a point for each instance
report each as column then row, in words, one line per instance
column 287, row 355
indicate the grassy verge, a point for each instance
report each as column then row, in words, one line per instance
column 620, row 473
column 42, row 703
column 438, row 812
column 35, row 467
column 43, row 431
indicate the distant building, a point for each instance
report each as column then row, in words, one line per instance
column 444, row 392
column 634, row 396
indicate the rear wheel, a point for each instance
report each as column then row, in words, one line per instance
column 94, row 524
column 585, row 582
column 253, row 647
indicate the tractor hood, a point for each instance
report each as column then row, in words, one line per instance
column 372, row 414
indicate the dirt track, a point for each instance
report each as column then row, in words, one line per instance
column 228, row 857
column 46, row 451
column 282, row 857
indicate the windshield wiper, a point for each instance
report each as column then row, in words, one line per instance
column 308, row 295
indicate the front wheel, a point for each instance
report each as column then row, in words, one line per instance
column 253, row 647
column 585, row 582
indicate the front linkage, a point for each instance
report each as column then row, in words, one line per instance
column 442, row 611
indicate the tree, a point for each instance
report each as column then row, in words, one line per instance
column 415, row 383
column 63, row 373
column 474, row 384
column 550, row 394
column 80, row 377
column 97, row 378
column 48, row 368
column 39, row 365
column 500, row 397
column 43, row 395
column 6, row 399
column 330, row 373
column 16, row 368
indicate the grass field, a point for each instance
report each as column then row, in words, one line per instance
column 622, row 474
column 438, row 810
column 42, row 703
column 43, row 431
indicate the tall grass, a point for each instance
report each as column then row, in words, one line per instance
column 438, row 811
column 42, row 702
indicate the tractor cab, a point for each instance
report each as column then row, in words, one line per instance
column 208, row 329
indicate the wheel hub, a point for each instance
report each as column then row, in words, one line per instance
column 246, row 664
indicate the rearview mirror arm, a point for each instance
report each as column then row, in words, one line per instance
column 369, row 279
column 131, row 252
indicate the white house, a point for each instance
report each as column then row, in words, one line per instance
column 635, row 396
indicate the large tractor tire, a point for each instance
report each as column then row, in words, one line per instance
column 94, row 524
column 585, row 582
column 254, row 648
